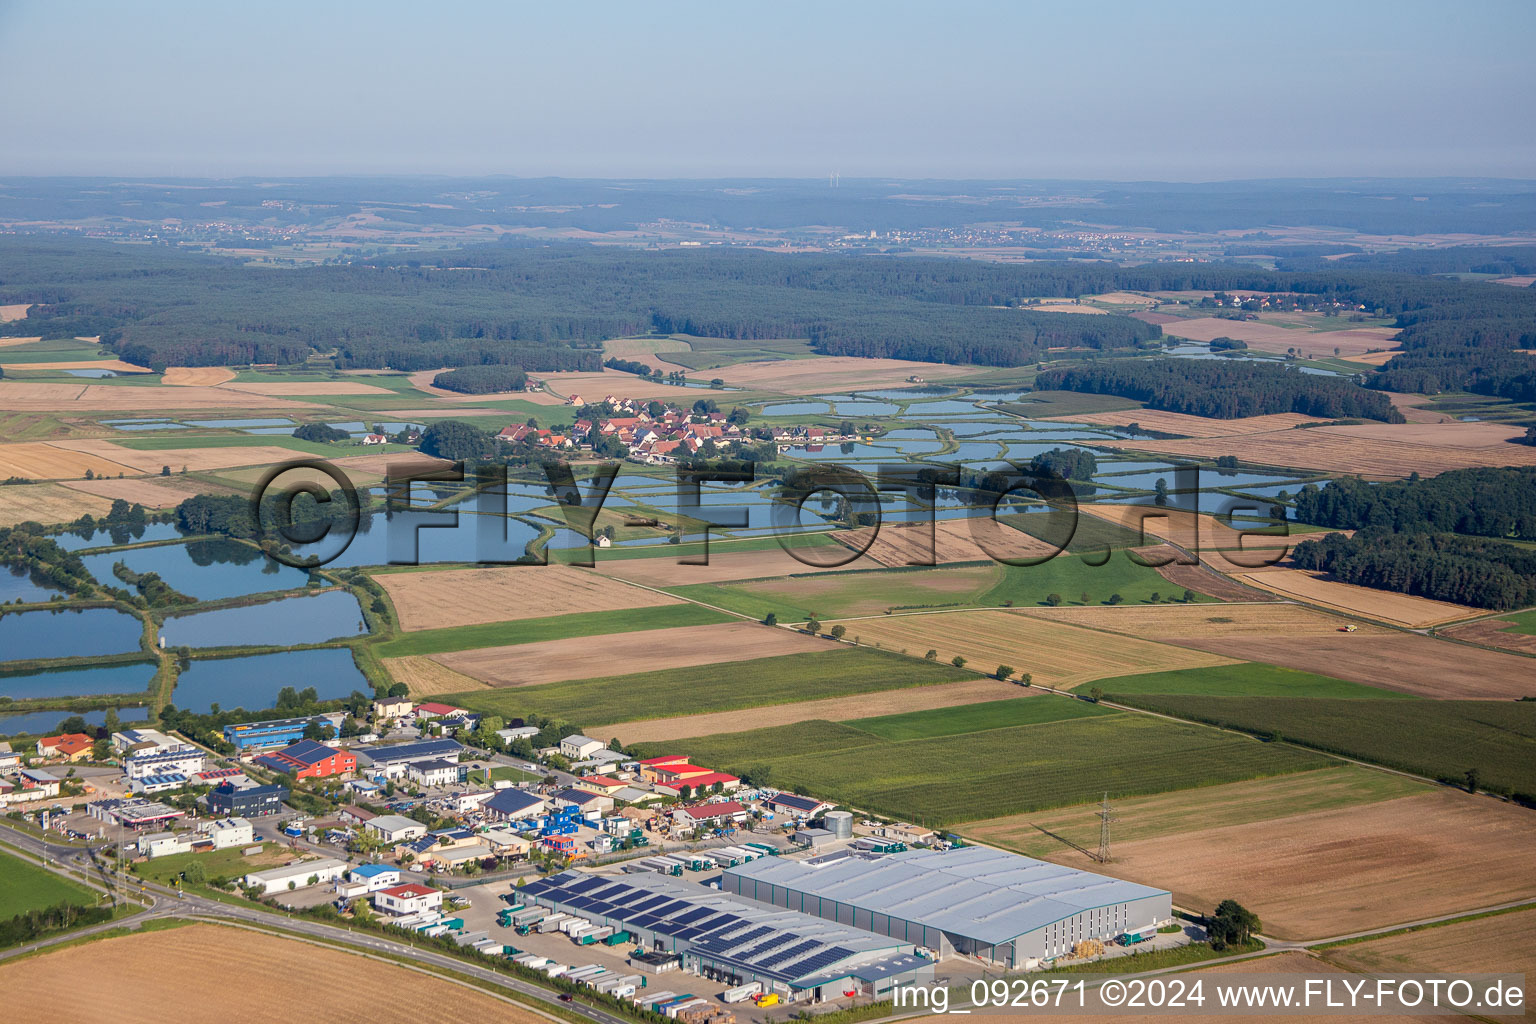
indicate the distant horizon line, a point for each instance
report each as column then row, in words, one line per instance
column 844, row 181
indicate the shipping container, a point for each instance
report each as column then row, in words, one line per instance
column 618, row 938
column 740, row 992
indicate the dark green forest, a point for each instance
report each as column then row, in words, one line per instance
column 482, row 380
column 1442, row 566
column 1222, row 389
column 1482, row 502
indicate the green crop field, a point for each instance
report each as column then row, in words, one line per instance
column 1440, row 739
column 1071, row 576
column 1040, row 404
column 1253, row 679
column 841, row 595
column 968, row 718
column 26, row 886
column 786, row 679
column 555, row 627
column 1523, row 622
column 944, row 780
column 179, row 440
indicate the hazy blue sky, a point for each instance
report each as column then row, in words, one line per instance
column 1165, row 90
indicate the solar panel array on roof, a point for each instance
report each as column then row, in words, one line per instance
column 772, row 943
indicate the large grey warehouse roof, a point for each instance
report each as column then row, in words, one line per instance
column 982, row 894
column 770, row 942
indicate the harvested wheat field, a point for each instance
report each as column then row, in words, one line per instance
column 425, row 676
column 1276, row 340
column 724, row 566
column 465, row 597
column 196, row 376
column 73, row 399
column 854, row 595
column 1183, row 811
column 1192, row 426
column 14, row 311
column 1505, row 943
column 134, row 979
column 595, row 386
column 316, row 387
column 1056, row 654
column 585, row 657
column 194, row 459
column 975, row 539
column 38, row 460
column 47, row 504
column 1347, row 869
column 833, row 709
column 151, row 492
column 1407, row 662
column 115, row 365
column 1376, row 450
column 1174, row 623
column 832, row 373
column 1382, row 605
column 1517, row 281
column 1064, row 307
column 1493, row 633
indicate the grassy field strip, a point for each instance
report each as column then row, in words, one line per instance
column 1005, row 771
column 558, row 627
column 1251, row 679
column 1192, row 810
column 760, row 683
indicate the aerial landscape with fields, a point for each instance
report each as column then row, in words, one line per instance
column 488, row 586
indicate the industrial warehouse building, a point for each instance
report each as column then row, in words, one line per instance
column 973, row 901
column 734, row 941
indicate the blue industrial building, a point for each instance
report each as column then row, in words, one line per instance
column 276, row 732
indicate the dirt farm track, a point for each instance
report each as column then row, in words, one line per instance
column 202, row 970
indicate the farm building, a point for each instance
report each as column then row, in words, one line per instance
column 974, row 901
column 734, row 941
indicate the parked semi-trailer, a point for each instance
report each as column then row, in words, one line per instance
column 740, row 993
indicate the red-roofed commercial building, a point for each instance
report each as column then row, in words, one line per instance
column 410, row 898
column 308, row 759
column 709, row 815
column 71, row 746
column 434, row 710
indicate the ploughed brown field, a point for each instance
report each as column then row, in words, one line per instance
column 1401, row 661
column 977, row 539
column 234, row 976
column 1348, row 869
column 586, row 657
column 465, row 597
column 1054, row 653
column 724, row 566
column 1385, row 450
column 853, row 596
column 1494, row 633
column 1505, row 943
column 833, row 709
column 1382, row 605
